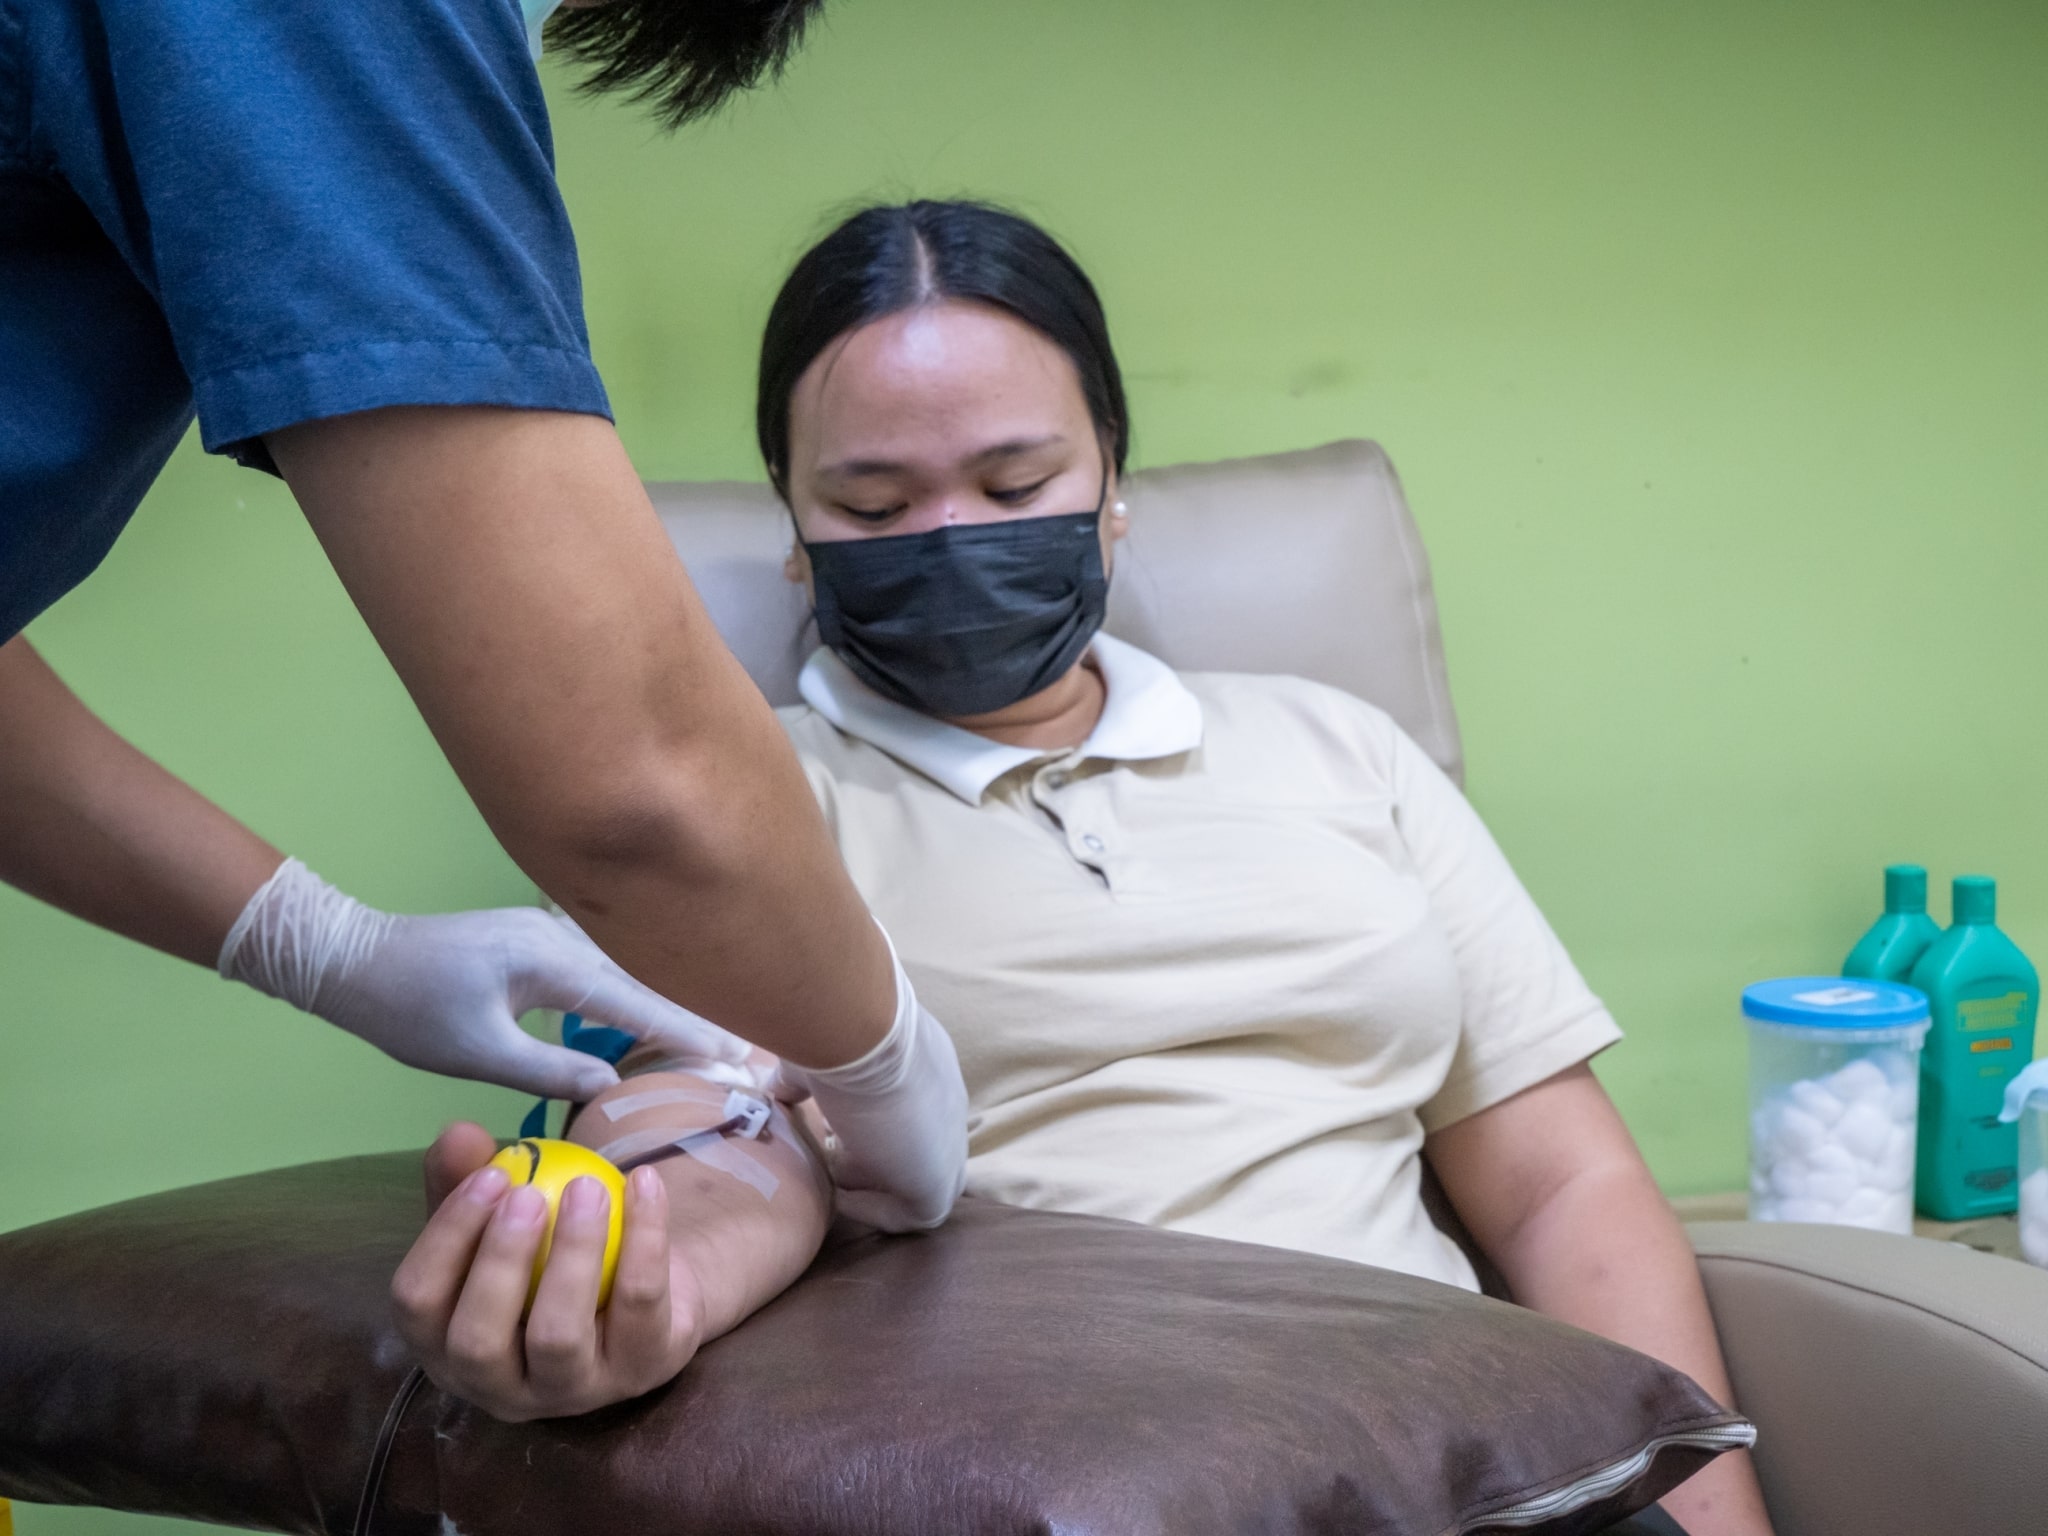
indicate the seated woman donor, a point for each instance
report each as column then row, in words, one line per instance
column 1221, row 953
column 1225, row 954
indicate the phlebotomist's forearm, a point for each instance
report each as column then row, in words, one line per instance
column 96, row 828
column 514, row 572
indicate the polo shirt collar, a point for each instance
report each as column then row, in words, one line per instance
column 1148, row 713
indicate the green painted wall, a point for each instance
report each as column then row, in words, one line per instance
column 1711, row 342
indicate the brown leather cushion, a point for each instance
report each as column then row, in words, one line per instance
column 223, row 1353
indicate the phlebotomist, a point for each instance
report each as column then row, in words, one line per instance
column 333, row 231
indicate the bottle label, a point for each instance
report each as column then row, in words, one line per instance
column 2003, row 1012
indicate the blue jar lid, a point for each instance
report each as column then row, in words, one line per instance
column 1837, row 1002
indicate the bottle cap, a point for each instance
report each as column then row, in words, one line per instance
column 1975, row 899
column 1829, row 1002
column 1905, row 888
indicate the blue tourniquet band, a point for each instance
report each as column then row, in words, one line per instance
column 606, row 1044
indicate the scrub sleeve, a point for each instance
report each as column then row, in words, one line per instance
column 270, row 211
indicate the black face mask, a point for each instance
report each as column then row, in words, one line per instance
column 965, row 619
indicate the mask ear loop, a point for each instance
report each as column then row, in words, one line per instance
column 796, row 534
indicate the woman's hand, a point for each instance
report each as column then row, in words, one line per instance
column 1551, row 1185
column 461, row 1289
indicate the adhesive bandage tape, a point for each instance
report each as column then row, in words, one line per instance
column 729, row 1159
column 727, row 1074
column 654, row 1098
column 707, row 1146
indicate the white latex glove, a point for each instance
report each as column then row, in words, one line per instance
column 899, row 1116
column 445, row 992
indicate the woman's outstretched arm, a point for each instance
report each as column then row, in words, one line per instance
column 1551, row 1185
column 707, row 1241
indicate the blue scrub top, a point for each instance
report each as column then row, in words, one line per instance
column 268, row 210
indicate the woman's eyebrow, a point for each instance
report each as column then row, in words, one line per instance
column 1014, row 448
column 853, row 469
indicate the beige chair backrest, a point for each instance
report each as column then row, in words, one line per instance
column 1304, row 563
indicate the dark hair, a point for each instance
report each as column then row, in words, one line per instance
column 682, row 57
column 887, row 259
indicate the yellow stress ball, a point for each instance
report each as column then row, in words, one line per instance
column 549, row 1166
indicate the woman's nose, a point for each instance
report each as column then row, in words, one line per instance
column 942, row 513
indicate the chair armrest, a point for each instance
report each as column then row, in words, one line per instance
column 1899, row 1386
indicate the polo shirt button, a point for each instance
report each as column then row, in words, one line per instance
column 1092, row 843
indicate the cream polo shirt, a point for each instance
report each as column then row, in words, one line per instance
column 1219, row 968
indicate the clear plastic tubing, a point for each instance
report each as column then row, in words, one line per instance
column 1834, row 1100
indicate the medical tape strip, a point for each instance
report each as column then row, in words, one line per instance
column 727, row 1074
column 727, row 1158
column 633, row 1103
column 746, row 1117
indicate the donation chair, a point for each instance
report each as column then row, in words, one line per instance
column 224, row 1353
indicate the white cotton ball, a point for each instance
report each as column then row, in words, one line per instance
column 1840, row 1148
column 1902, row 1081
column 1816, row 1101
column 1798, row 1132
column 1865, row 1130
column 1832, row 1174
column 1789, row 1178
column 1905, row 1101
column 1834, row 1158
column 1895, row 1165
column 1865, row 1208
column 1859, row 1080
column 1898, row 1213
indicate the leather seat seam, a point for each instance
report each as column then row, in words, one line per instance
column 1848, row 1285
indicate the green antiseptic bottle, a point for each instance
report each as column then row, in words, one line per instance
column 1983, row 995
column 1897, row 940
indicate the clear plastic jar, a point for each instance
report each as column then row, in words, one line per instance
column 1834, row 1100
column 2034, row 1183
column 2026, row 1100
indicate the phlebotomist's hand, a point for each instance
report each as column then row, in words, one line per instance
column 445, row 992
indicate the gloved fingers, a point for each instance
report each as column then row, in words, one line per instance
column 779, row 1081
column 578, row 977
column 516, row 1060
column 888, row 1212
column 616, row 999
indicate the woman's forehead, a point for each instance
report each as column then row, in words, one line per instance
column 952, row 378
